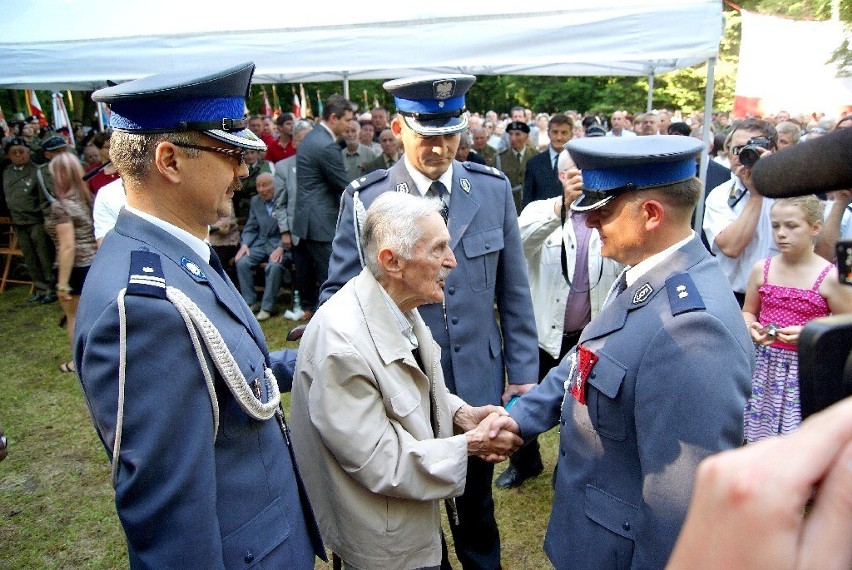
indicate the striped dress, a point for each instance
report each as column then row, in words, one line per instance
column 774, row 407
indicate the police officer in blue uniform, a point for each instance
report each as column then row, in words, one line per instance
column 173, row 365
column 659, row 378
column 477, row 351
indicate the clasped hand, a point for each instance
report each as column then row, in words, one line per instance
column 487, row 435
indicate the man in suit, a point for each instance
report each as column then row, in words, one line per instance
column 513, row 161
column 286, row 189
column 540, row 178
column 322, row 178
column 659, row 378
column 478, row 352
column 260, row 242
column 173, row 365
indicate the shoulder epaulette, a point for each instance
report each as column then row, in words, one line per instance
column 476, row 167
column 146, row 275
column 368, row 179
column 683, row 294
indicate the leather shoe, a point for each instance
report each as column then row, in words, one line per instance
column 296, row 332
column 513, row 477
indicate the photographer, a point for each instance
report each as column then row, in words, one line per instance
column 736, row 217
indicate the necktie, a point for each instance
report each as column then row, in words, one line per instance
column 555, row 161
column 438, row 189
column 617, row 289
column 622, row 283
column 216, row 264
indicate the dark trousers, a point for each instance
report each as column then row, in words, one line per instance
column 319, row 253
column 38, row 251
column 477, row 540
column 528, row 458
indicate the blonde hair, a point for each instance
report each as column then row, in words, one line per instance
column 67, row 173
column 811, row 207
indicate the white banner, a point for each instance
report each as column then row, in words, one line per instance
column 783, row 67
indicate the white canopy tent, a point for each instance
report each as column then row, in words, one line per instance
column 80, row 44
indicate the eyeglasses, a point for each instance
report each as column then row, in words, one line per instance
column 236, row 153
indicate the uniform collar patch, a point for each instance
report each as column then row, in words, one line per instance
column 641, row 295
column 192, row 268
column 402, row 187
column 465, row 184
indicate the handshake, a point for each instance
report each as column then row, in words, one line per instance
column 492, row 435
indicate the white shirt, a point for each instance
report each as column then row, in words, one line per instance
column 199, row 246
column 423, row 183
column 109, row 201
column 624, row 133
column 718, row 216
column 845, row 222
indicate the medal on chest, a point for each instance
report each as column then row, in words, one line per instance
column 581, row 362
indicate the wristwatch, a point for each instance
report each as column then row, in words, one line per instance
column 65, row 288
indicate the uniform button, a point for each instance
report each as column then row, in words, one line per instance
column 562, row 422
column 451, row 290
column 553, row 326
column 251, row 365
column 625, row 525
column 592, row 375
column 454, row 320
column 249, row 557
column 562, row 451
column 487, row 246
column 457, row 348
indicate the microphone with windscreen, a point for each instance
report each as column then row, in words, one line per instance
column 811, row 167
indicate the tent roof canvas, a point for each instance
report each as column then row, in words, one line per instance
column 80, row 44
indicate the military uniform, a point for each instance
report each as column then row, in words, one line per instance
column 27, row 205
column 514, row 168
column 203, row 475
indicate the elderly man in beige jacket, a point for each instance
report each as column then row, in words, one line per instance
column 373, row 422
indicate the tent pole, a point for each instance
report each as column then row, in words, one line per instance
column 705, row 136
column 650, row 104
column 346, row 84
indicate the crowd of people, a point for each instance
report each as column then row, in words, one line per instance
column 467, row 282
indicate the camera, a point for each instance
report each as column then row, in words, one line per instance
column 748, row 153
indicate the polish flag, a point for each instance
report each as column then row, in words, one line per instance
column 35, row 107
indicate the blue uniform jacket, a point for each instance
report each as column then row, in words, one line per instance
column 184, row 500
column 477, row 351
column 668, row 389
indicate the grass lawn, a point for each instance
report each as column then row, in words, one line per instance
column 56, row 502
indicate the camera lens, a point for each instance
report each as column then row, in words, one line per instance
column 749, row 156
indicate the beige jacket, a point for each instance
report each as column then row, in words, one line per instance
column 360, row 415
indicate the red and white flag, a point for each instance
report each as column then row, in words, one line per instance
column 267, row 108
column 306, row 103
column 297, row 105
column 35, row 107
column 60, row 117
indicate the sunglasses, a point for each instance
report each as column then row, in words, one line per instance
column 236, row 153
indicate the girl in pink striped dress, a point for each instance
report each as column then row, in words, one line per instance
column 785, row 292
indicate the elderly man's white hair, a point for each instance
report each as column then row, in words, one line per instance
column 392, row 223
